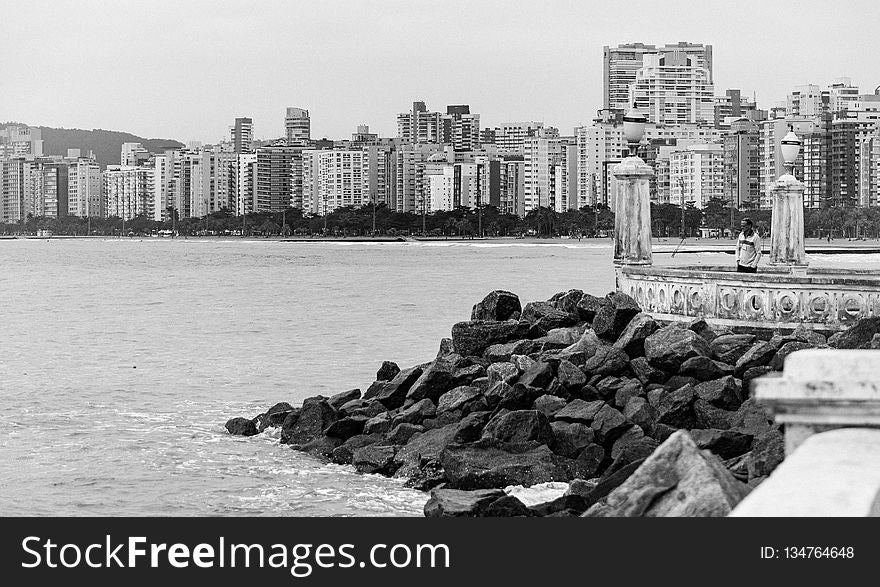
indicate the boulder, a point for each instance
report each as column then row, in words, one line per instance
column 677, row 381
column 588, row 463
column 519, row 426
column 487, row 463
column 423, row 448
column 470, row 428
column 704, row 368
column 467, row 375
column 241, row 427
column 455, row 503
column 275, row 416
column 588, row 306
column 567, row 301
column 632, row 339
column 538, row 375
column 646, row 372
column 677, row 480
column 446, row 348
column 571, row 438
column 519, row 397
column 730, row 347
column 569, row 376
column 702, row 328
column 631, row 450
column 387, row 371
column 457, row 398
column 323, row 446
column 498, row 306
column 549, row 404
column 630, row 389
column 416, row 413
column 609, row 424
column 503, row 352
column 607, row 360
column 724, row 443
column 402, row 433
column 315, row 416
column 751, row 419
column 759, row 354
column 374, row 459
column 344, row 453
column 434, row 381
column 472, row 338
column 778, row 360
column 346, row 427
column 392, row 394
column 768, row 450
column 805, row 334
column 506, row 372
column 607, row 387
column 340, row 399
column 496, row 393
column 707, row 415
column 725, row 392
column 522, row 362
column 857, row 336
column 672, row 345
column 613, row 316
column 638, row 411
column 360, row 407
column 579, row 411
column 378, row 424
column 547, row 317
column 583, row 349
column 676, row 408
column 752, row 374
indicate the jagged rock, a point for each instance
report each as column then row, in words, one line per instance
column 609, row 481
column 522, row 362
column 457, row 398
column 496, row 393
column 455, row 503
column 434, row 381
column 630, row 389
column 583, row 349
column 392, row 394
column 499, row 305
column 241, row 427
column 545, row 316
column 757, row 355
column 676, row 408
column 779, row 359
column 315, row 416
column 561, row 338
column 724, row 443
column 472, row 338
column 678, row 479
column 752, row 374
column 503, row 352
column 441, row 420
column 346, row 427
column 632, row 339
column 467, row 375
column 729, row 348
column 470, row 428
column 702, row 328
column 488, row 463
column 768, row 450
column 662, row 431
column 858, row 336
column 607, row 361
column 423, row 448
column 361, row 407
column 646, row 372
column 323, row 446
column 613, row 316
column 520, row 397
column 446, row 348
column 751, row 418
column 340, row 399
column 609, row 424
column 638, row 411
column 344, row 453
column 507, row 507
column 677, row 381
column 378, row 424
column 506, row 372
column 725, row 392
column 709, row 416
column 579, row 411
column 672, row 345
column 628, row 450
column 519, row 426
column 704, row 368
column 402, row 433
column 567, row 505
column 607, row 387
column 807, row 335
column 588, row 306
column 416, row 413
column 387, row 371
column 588, row 463
column 374, row 459
column 549, row 404
column 567, row 301
column 580, row 487
column 571, row 438
column 570, row 377
column 538, row 375
column 275, row 416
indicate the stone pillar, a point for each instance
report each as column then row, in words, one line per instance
column 787, row 223
column 632, row 212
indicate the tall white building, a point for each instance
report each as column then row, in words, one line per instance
column 696, row 173
column 671, row 89
column 126, row 191
column 245, row 184
column 509, row 137
column 596, row 145
column 333, row 179
column 84, row 189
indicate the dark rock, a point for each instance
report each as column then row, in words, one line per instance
column 503, row 352
column 608, row 482
column 499, row 305
column 768, row 450
column 340, row 399
column 730, row 347
column 571, row 438
column 609, row 424
column 454, row 503
column 507, row 507
column 571, row 505
column 704, row 368
column 757, row 355
column 672, row 345
column 506, row 372
column 496, row 393
column 323, row 446
column 344, row 453
column 751, row 374
column 588, row 306
column 544, row 315
column 614, row 315
column 549, row 404
column 360, row 407
column 633, row 451
column 275, row 416
column 423, row 448
column 560, row 338
column 579, row 411
column 567, row 301
column 347, row 427
column 677, row 480
column 315, row 416
column 470, row 428
column 583, row 349
column 724, row 443
column 631, row 438
column 434, row 381
column 589, row 461
column 378, row 424
column 638, row 411
column 402, row 433
column 472, row 338
column 607, row 361
column 662, row 431
column 804, row 334
column 374, row 459
column 570, row 377
column 241, row 427
column 676, row 408
column 446, row 348
column 429, row 476
column 702, row 328
column 580, row 487
column 519, row 426
column 857, row 336
column 481, row 383
column 467, row 375
column 457, row 398
column 646, row 372
column 630, row 389
column 522, row 362
column 416, row 413
column 751, row 418
column 725, row 392
column 677, row 381
column 607, row 387
column 538, row 375
column 519, row 397
column 387, row 371
column 632, row 339
column 709, row 416
column 779, row 359
column 392, row 393
column 488, row 463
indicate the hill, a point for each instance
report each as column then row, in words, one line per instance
column 107, row 144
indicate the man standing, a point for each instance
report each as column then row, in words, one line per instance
column 748, row 248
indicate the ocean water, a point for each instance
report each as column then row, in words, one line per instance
column 120, row 360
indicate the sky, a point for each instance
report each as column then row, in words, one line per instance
column 184, row 69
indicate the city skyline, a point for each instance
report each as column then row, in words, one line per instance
column 371, row 73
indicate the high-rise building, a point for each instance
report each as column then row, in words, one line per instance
column 420, row 126
column 410, row 183
column 596, row 144
column 512, row 185
column 741, row 165
column 461, row 129
column 279, row 177
column 297, row 125
column 84, row 187
column 732, row 106
column 126, row 191
column 509, row 136
column 333, row 179
column 133, row 154
column 550, row 172
column 242, row 134
column 621, row 64
column 245, row 183
column 696, row 173
column 671, row 88
column 20, row 140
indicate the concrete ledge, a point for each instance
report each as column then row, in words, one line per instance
column 835, row 473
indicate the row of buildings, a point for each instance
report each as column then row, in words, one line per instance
column 701, row 146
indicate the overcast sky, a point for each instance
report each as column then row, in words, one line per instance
column 184, row 69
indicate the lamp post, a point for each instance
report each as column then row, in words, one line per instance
column 787, row 222
column 632, row 213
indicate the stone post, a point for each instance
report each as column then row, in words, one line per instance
column 632, row 212
column 787, row 223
